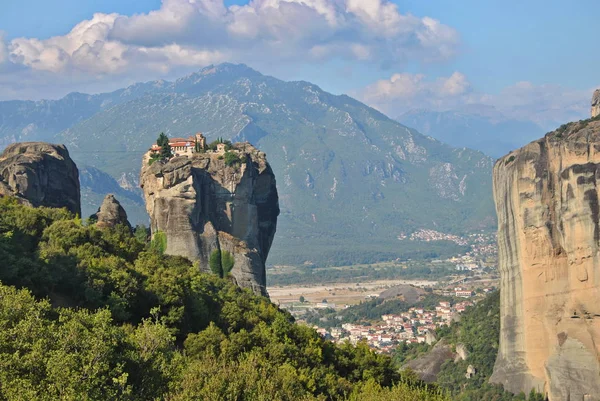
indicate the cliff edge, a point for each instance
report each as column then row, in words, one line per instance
column 205, row 202
column 40, row 174
column 546, row 196
column 596, row 103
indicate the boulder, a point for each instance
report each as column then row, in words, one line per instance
column 430, row 337
column 110, row 214
column 471, row 371
column 461, row 353
column 40, row 174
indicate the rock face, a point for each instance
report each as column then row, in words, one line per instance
column 202, row 204
column 546, row 197
column 428, row 366
column 40, row 174
column 110, row 213
column 461, row 353
column 596, row 103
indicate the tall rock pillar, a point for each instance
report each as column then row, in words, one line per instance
column 596, row 103
column 210, row 201
column 546, row 196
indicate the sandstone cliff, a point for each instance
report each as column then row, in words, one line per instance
column 40, row 174
column 546, row 197
column 596, row 103
column 110, row 214
column 202, row 205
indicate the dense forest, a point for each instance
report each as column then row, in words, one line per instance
column 97, row 314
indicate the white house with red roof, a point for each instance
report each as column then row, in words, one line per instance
column 183, row 146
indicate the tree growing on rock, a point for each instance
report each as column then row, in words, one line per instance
column 231, row 158
column 214, row 262
column 221, row 262
column 226, row 262
column 165, row 149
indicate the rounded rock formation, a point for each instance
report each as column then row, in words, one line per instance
column 40, row 174
column 110, row 214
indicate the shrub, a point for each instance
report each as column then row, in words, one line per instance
column 159, row 242
column 231, row 159
column 221, row 262
column 226, row 262
column 214, row 262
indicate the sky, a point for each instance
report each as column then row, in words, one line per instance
column 532, row 60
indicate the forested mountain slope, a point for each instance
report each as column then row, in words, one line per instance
column 97, row 314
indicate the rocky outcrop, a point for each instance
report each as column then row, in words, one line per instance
column 40, row 174
column 462, row 353
column 471, row 371
column 546, row 197
column 429, row 365
column 203, row 204
column 596, row 103
column 110, row 214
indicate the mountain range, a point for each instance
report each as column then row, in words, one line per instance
column 353, row 183
column 479, row 127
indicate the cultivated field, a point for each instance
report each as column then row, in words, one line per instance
column 338, row 293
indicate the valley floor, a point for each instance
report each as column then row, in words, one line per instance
column 337, row 294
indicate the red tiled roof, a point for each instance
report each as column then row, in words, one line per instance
column 180, row 144
column 177, row 142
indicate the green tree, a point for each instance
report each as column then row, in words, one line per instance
column 302, row 300
column 535, row 396
column 227, row 262
column 165, row 149
column 135, row 324
column 231, row 158
column 159, row 242
column 141, row 233
column 214, row 262
column 221, row 262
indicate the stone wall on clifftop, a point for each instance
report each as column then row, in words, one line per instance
column 40, row 174
column 202, row 204
column 546, row 197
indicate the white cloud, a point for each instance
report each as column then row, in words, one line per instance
column 194, row 33
column 3, row 49
column 85, row 48
column 546, row 105
column 405, row 91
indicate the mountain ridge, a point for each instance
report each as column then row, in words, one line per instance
column 346, row 171
column 481, row 127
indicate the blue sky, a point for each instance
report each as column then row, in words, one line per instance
column 500, row 49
